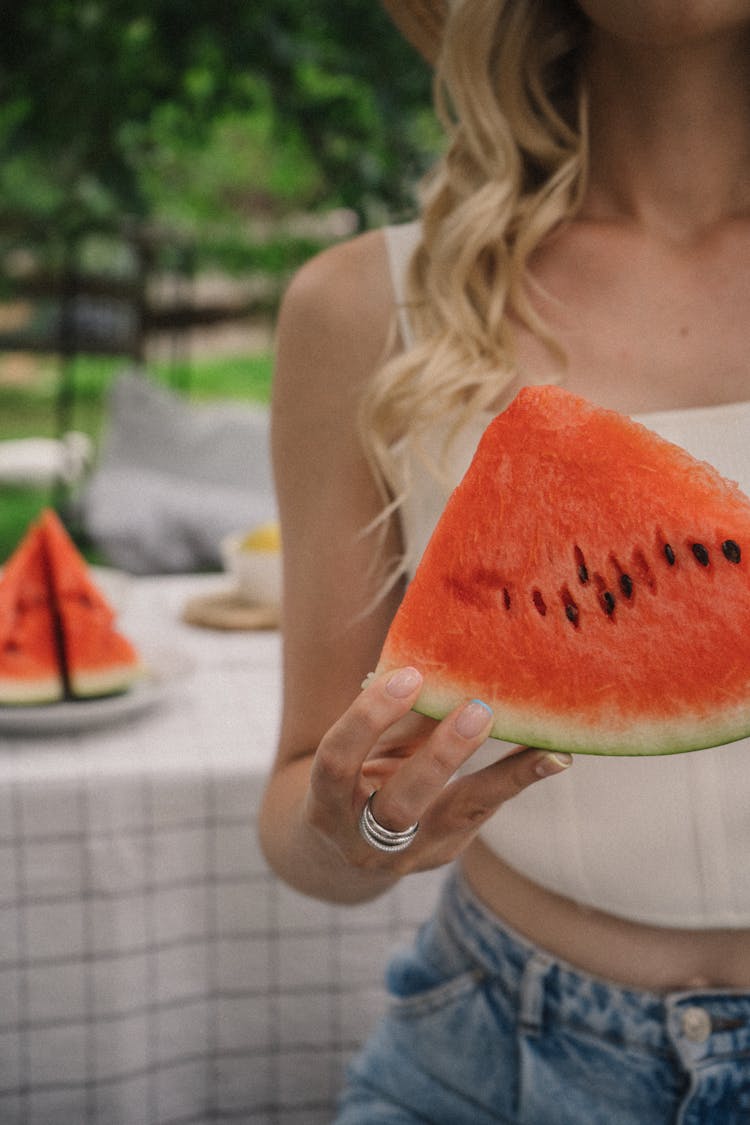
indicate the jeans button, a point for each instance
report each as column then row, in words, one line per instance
column 696, row 1025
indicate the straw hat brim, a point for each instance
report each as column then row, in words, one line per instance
column 421, row 22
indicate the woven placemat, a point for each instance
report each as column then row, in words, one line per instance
column 229, row 610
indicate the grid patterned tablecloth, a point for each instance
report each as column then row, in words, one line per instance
column 152, row 970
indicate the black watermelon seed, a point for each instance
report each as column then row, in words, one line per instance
column 506, row 597
column 608, row 603
column 539, row 602
column 731, row 550
column 626, row 585
column 569, row 605
column 700, row 553
column 581, row 568
column 669, row 554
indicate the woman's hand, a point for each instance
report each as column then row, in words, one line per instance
column 380, row 744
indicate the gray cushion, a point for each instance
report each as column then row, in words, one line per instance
column 174, row 476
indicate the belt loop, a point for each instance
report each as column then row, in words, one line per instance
column 531, row 995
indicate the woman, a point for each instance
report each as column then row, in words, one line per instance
column 589, row 224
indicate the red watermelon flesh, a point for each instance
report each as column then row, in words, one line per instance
column 590, row 581
column 29, row 667
column 57, row 631
column 98, row 659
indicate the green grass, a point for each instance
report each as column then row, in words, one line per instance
column 28, row 408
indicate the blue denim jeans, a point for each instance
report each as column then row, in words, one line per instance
column 485, row 1027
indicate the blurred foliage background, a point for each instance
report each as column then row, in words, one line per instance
column 241, row 136
column 219, row 117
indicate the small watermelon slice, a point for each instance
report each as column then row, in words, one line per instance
column 29, row 666
column 591, row 582
column 57, row 631
column 98, row 660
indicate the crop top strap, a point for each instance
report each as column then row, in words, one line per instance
column 401, row 241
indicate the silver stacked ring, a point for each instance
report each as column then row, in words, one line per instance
column 377, row 836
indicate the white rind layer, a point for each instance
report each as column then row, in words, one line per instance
column 13, row 692
column 636, row 738
column 89, row 685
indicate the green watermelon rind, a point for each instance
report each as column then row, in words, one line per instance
column 644, row 740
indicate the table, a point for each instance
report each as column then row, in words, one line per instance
column 152, row 970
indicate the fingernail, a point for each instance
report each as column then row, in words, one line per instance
column 403, row 682
column 549, row 764
column 473, row 718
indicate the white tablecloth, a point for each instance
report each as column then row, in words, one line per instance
column 152, row 970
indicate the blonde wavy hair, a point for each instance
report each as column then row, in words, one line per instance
column 508, row 92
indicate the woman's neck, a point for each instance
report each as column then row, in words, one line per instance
column 669, row 133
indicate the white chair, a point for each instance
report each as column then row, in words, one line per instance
column 42, row 462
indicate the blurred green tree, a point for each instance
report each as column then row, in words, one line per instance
column 152, row 107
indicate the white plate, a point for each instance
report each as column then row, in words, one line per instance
column 163, row 670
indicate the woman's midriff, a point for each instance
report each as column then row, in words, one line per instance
column 641, row 956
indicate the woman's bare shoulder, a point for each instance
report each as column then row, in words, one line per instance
column 336, row 315
column 348, row 278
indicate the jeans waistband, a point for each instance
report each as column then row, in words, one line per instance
column 697, row 1024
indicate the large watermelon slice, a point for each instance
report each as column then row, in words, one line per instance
column 591, row 582
column 57, row 632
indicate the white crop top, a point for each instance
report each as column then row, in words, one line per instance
column 663, row 841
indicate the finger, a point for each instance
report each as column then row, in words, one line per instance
column 471, row 800
column 403, row 736
column 422, row 778
column 346, row 745
column 401, row 741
